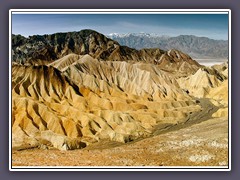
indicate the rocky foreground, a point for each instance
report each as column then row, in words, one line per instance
column 113, row 105
column 204, row 144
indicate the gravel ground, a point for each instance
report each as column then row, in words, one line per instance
column 203, row 144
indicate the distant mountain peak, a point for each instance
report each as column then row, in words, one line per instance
column 196, row 47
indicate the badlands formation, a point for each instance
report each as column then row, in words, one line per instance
column 84, row 91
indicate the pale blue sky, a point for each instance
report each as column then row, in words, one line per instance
column 214, row 26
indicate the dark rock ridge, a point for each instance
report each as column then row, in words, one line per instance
column 196, row 47
column 47, row 48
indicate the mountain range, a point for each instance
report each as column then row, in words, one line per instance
column 48, row 48
column 73, row 90
column 196, row 47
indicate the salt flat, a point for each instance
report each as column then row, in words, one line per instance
column 211, row 62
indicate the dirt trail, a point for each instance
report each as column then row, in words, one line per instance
column 207, row 110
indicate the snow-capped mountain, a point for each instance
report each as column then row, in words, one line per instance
column 140, row 34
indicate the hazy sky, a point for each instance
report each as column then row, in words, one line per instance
column 214, row 26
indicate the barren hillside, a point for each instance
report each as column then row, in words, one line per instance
column 82, row 91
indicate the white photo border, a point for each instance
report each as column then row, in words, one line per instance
column 120, row 11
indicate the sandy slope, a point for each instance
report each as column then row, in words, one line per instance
column 89, row 100
column 81, row 102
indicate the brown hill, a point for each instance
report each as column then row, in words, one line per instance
column 88, row 100
column 201, row 83
column 48, row 48
column 209, row 83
